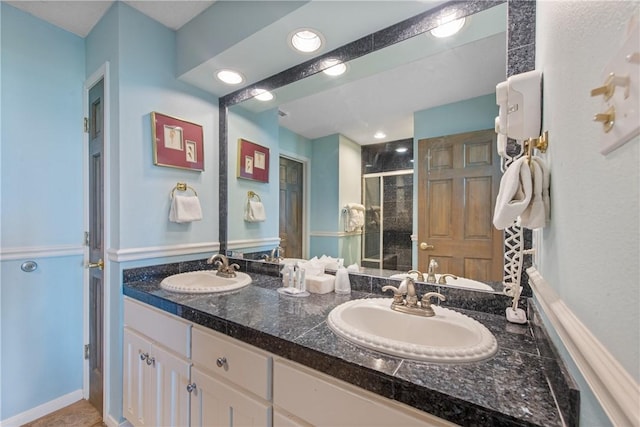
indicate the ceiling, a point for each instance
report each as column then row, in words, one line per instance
column 261, row 51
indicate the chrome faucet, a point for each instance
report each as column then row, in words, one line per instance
column 224, row 269
column 410, row 304
column 443, row 278
column 431, row 273
column 276, row 255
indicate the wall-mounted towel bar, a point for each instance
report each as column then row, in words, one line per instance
column 182, row 186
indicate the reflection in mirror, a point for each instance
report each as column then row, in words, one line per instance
column 325, row 161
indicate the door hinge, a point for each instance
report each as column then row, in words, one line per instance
column 86, row 125
column 86, row 351
column 86, row 238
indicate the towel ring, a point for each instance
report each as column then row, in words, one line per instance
column 182, row 186
column 253, row 195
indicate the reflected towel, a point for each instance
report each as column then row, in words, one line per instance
column 514, row 196
column 185, row 209
column 355, row 217
column 254, row 212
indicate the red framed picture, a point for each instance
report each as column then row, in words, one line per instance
column 177, row 143
column 253, row 161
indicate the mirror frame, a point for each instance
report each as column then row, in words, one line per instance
column 521, row 19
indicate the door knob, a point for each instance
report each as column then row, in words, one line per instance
column 99, row 264
column 424, row 246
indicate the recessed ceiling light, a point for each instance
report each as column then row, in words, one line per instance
column 306, row 40
column 230, row 77
column 263, row 95
column 336, row 67
column 448, row 26
column 402, row 150
column 380, row 135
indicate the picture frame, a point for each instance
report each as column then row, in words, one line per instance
column 177, row 143
column 253, row 161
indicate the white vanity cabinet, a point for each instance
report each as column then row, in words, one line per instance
column 230, row 382
column 155, row 367
column 304, row 397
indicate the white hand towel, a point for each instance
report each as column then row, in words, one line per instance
column 355, row 217
column 185, row 209
column 533, row 216
column 545, row 188
column 514, row 194
column 254, row 211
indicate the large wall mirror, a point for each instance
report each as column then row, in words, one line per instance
column 324, row 159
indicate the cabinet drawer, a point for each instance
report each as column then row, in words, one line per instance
column 321, row 400
column 168, row 330
column 246, row 367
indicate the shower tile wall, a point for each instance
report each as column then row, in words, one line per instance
column 398, row 219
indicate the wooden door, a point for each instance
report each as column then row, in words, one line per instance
column 458, row 181
column 96, row 245
column 291, row 206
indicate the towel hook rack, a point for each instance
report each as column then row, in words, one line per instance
column 182, row 186
column 253, row 195
column 541, row 143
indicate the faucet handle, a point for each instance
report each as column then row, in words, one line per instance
column 425, row 303
column 397, row 294
column 443, row 278
column 420, row 277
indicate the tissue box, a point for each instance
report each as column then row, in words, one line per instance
column 322, row 284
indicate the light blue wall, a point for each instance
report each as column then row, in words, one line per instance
column 41, row 151
column 464, row 116
column 261, row 128
column 293, row 143
column 325, row 189
column 142, row 57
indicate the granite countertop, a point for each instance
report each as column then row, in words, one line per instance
column 509, row 389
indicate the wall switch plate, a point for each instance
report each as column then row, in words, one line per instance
column 624, row 100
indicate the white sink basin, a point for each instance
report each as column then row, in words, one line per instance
column 449, row 336
column 204, row 281
column 460, row 281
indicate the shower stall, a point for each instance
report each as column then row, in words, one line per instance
column 388, row 201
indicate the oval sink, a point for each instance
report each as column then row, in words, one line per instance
column 449, row 336
column 204, row 281
column 460, row 281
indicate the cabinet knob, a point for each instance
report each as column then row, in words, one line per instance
column 221, row 362
column 144, row 356
column 151, row 361
column 191, row 387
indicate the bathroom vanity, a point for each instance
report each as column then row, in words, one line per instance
column 256, row 357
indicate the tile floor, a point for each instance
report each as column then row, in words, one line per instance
column 79, row 414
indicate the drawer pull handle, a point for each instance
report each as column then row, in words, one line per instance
column 192, row 387
column 221, row 362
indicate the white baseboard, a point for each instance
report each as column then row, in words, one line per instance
column 612, row 385
column 42, row 410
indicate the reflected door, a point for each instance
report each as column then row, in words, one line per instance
column 459, row 177
column 291, row 203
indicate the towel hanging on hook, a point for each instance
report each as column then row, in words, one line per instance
column 254, row 210
column 184, row 208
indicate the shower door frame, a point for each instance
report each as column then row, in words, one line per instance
column 380, row 176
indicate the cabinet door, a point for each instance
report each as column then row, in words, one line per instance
column 215, row 403
column 171, row 380
column 137, row 378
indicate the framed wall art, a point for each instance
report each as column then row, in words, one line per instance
column 177, row 143
column 253, row 161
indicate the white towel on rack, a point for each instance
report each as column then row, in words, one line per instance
column 515, row 193
column 254, row 211
column 185, row 209
column 537, row 212
column 355, row 217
